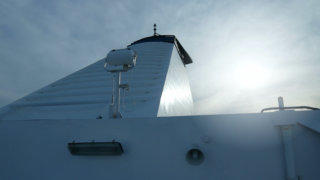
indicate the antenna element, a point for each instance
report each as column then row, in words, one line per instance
column 117, row 62
column 154, row 29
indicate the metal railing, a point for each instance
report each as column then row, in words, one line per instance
column 291, row 107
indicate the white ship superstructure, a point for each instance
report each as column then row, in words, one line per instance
column 158, row 86
column 65, row 131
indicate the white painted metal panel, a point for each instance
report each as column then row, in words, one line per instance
column 176, row 97
column 87, row 92
column 246, row 146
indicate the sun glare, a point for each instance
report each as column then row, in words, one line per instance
column 250, row 76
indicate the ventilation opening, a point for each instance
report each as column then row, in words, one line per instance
column 195, row 157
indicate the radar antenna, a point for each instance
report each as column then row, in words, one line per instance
column 118, row 61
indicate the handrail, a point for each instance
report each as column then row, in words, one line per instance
column 291, row 107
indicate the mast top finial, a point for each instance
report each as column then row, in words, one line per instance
column 154, row 29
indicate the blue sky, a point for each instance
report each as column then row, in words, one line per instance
column 246, row 53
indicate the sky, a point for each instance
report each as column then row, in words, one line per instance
column 245, row 53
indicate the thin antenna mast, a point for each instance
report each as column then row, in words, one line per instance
column 154, row 29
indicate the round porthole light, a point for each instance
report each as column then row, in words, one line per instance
column 194, row 157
